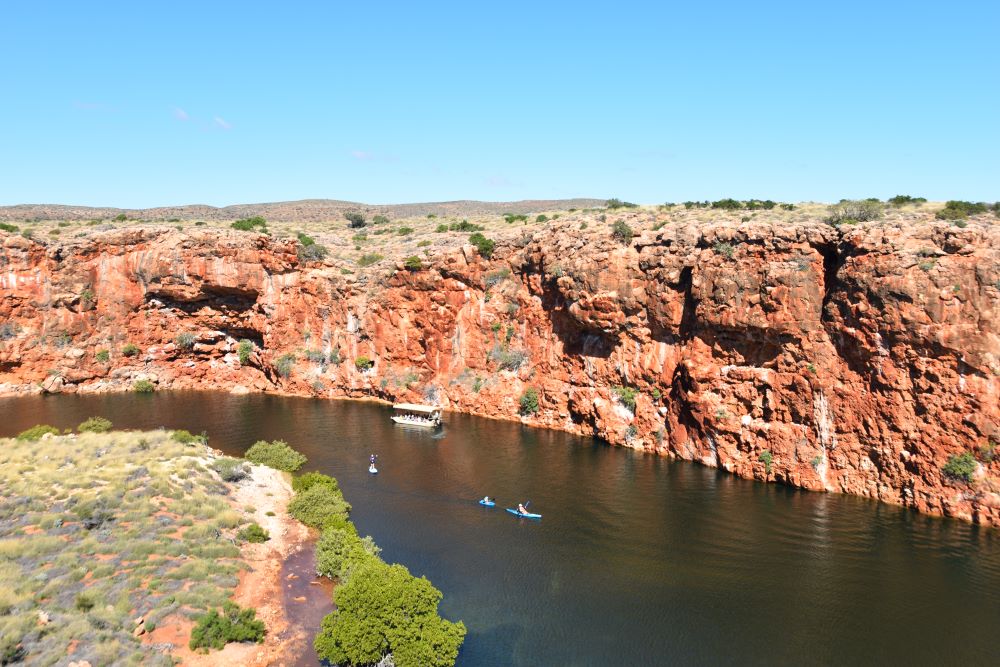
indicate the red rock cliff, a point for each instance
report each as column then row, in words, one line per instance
column 855, row 360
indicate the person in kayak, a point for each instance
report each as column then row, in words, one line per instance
column 520, row 509
column 486, row 499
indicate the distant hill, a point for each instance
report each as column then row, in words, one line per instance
column 305, row 210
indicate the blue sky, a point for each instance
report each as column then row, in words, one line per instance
column 124, row 104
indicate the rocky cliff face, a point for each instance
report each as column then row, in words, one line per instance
column 856, row 360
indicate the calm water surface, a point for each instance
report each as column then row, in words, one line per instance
column 637, row 560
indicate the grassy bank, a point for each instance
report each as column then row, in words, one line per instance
column 383, row 613
column 105, row 535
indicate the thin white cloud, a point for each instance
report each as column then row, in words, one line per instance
column 221, row 123
column 180, row 114
column 362, row 155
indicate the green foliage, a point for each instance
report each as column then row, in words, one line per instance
column 960, row 466
column 614, row 203
column 727, row 204
column 484, row 246
column 185, row 340
column 319, row 506
column 245, row 349
column 250, row 224
column 507, row 359
column 214, row 630
column 724, row 249
column 851, row 211
column 95, row 425
column 413, row 263
column 529, row 401
column 9, row 228
column 626, row 396
column 380, row 220
column 284, row 365
column 424, row 243
column 441, row 228
column 363, row 363
column 143, row 387
column 83, row 602
column 309, row 250
column 369, row 259
column 511, row 218
column 465, row 226
column 404, row 231
column 188, row 438
column 121, row 217
column 230, row 469
column 621, row 232
column 355, row 219
column 902, row 200
column 340, row 551
column 767, row 459
column 35, row 433
column 102, row 356
column 307, row 480
column 130, row 350
column 542, row 218
column 254, row 534
column 384, row 609
column 276, row 454
column 959, row 210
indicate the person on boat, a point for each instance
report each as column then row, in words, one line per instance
column 486, row 499
column 521, row 509
column 372, row 459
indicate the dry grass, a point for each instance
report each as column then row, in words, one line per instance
column 98, row 530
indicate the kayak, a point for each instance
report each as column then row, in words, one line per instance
column 529, row 515
column 373, row 470
column 487, row 504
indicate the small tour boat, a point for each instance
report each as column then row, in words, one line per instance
column 414, row 414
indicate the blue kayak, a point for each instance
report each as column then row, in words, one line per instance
column 487, row 504
column 529, row 515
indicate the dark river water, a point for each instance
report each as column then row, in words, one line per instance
column 637, row 561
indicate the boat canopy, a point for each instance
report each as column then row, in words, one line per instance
column 416, row 407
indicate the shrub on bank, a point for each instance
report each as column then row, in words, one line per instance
column 214, row 630
column 254, row 534
column 143, row 387
column 244, row 349
column 626, row 396
column 35, row 433
column 95, row 425
column 230, row 469
column 284, row 365
column 306, row 481
column 960, row 466
column 529, row 401
column 276, row 454
column 340, row 551
column 384, row 609
column 319, row 505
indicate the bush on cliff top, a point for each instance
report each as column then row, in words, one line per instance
column 276, row 454
column 355, row 219
column 959, row 210
column 484, row 246
column 306, row 481
column 250, row 224
column 850, row 211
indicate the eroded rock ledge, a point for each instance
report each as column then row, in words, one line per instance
column 855, row 360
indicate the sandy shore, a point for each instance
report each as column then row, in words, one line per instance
column 260, row 586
